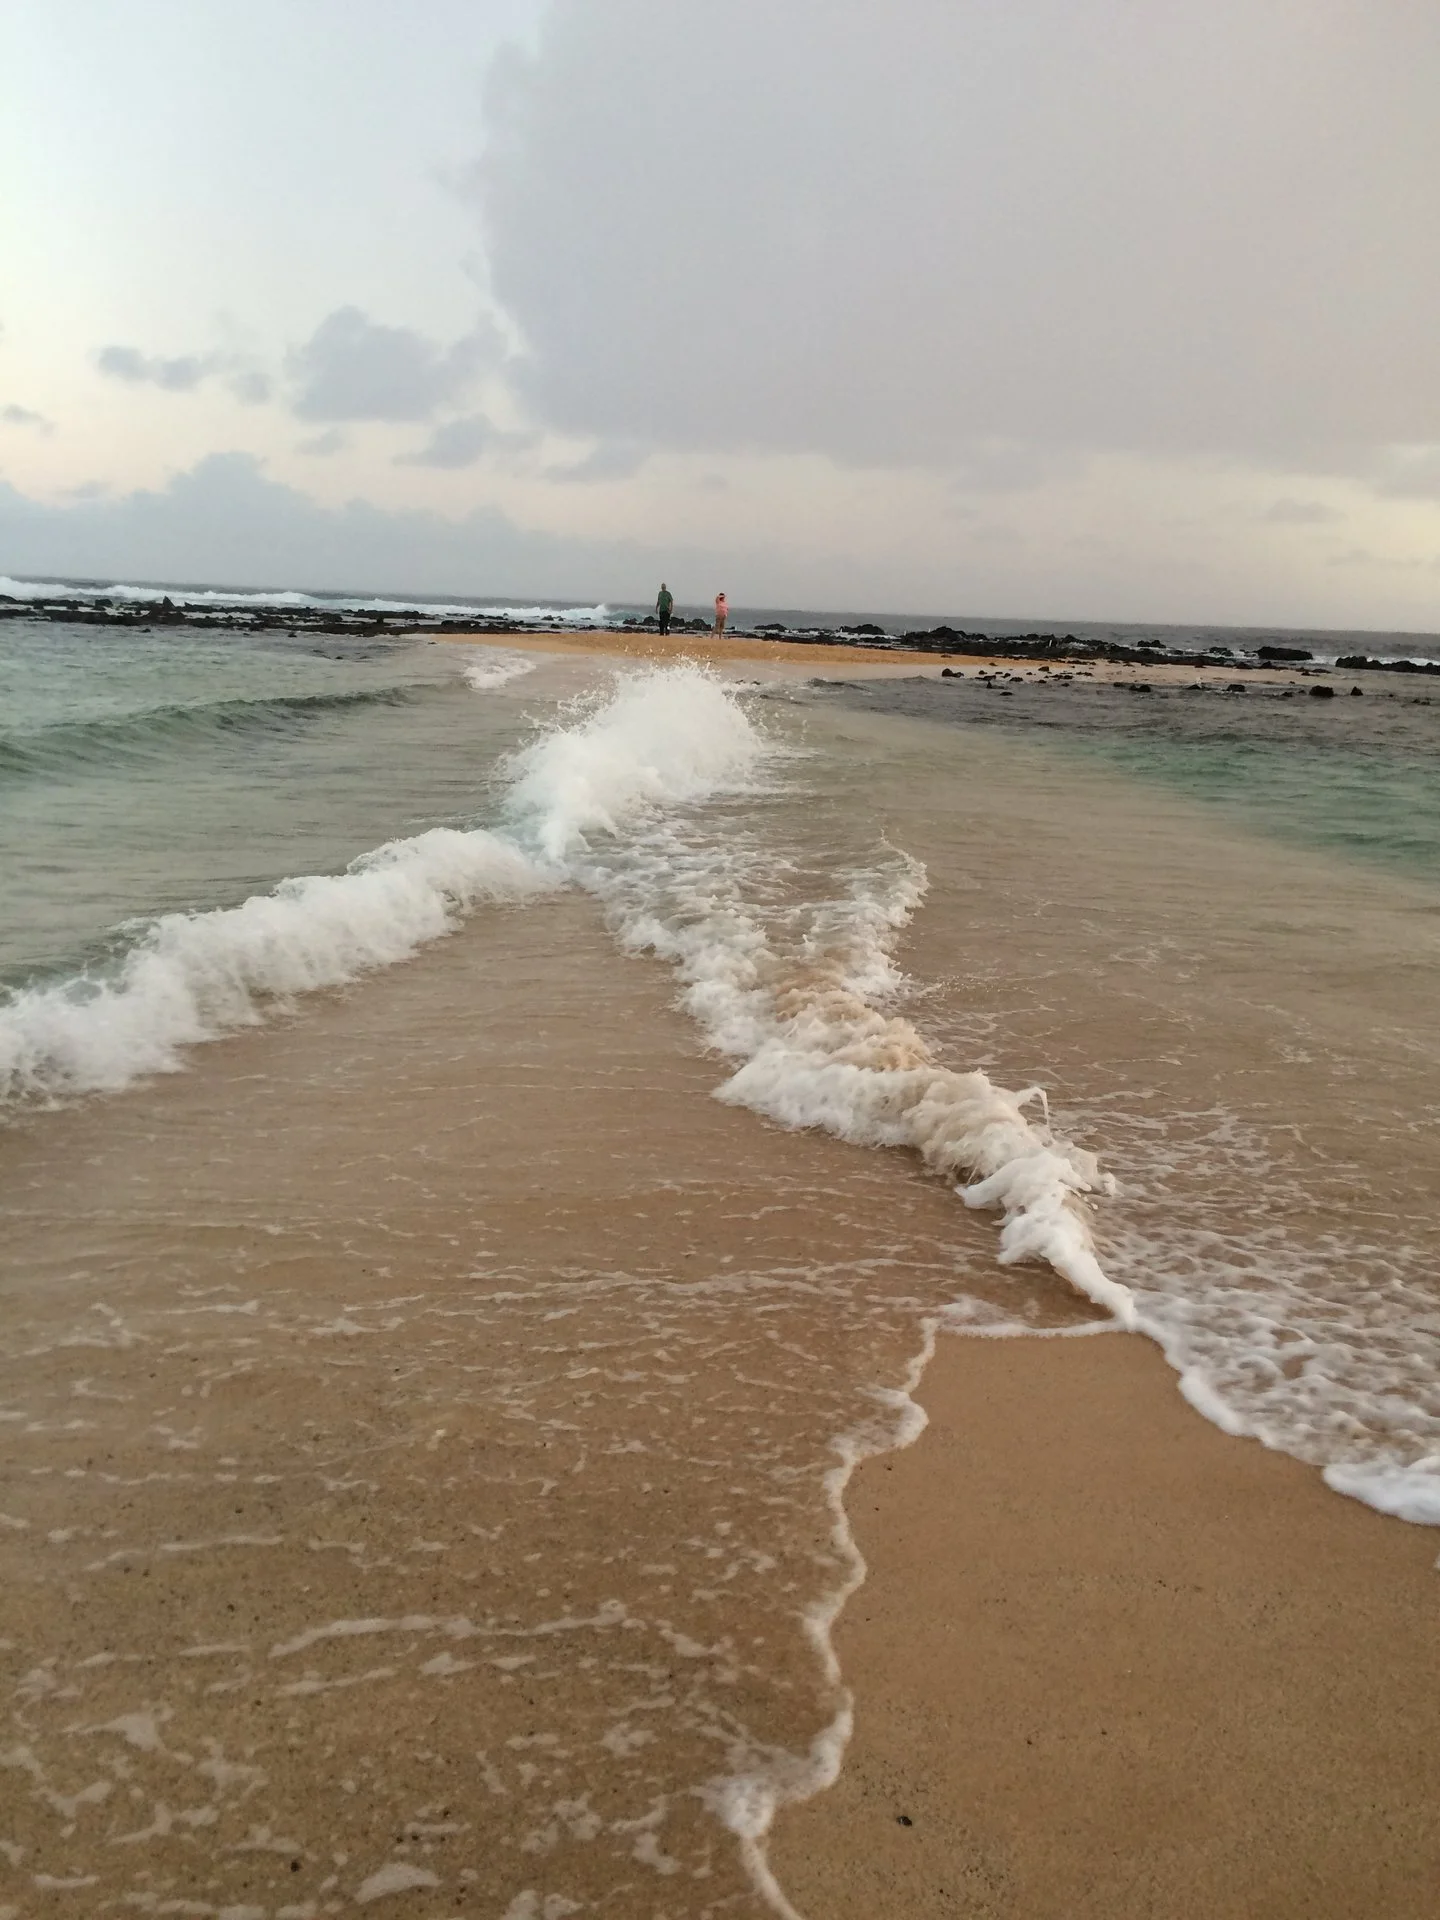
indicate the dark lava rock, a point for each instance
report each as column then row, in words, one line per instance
column 1357, row 693
column 1360, row 662
column 1236, row 686
column 1323, row 693
column 1283, row 653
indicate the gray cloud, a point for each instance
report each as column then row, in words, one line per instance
column 894, row 234
column 322, row 445
column 225, row 521
column 251, row 386
column 353, row 369
column 610, row 460
column 136, row 369
column 1411, row 473
column 458, row 443
column 1300, row 513
column 186, row 372
column 13, row 416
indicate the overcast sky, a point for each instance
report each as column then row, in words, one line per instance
column 1052, row 308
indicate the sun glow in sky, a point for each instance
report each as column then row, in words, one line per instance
column 1064, row 308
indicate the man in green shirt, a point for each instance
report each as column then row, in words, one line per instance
column 664, row 607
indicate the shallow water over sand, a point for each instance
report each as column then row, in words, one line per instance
column 421, row 1413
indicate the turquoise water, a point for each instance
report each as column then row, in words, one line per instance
column 1359, row 777
column 1367, row 802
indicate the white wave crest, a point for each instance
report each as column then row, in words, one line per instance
column 196, row 976
column 665, row 736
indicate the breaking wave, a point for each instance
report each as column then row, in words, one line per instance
column 194, row 977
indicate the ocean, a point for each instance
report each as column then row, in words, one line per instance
column 491, row 1138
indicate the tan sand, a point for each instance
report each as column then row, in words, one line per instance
column 851, row 662
column 637, row 644
column 1111, row 1662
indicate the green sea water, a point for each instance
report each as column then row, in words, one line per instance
column 1359, row 776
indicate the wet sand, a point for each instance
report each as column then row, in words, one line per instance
column 1108, row 1661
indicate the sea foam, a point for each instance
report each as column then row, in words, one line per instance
column 490, row 667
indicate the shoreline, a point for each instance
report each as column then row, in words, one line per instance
column 888, row 663
column 1108, row 1660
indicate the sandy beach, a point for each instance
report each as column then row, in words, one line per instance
column 1108, row 1661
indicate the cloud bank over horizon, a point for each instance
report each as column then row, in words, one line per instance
column 226, row 523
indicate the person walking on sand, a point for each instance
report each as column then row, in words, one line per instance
column 722, row 613
column 664, row 607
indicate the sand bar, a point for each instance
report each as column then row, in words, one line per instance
column 1109, row 1661
column 853, row 662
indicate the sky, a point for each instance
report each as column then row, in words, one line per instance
column 1063, row 309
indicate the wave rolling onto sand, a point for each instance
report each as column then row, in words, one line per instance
column 434, row 1416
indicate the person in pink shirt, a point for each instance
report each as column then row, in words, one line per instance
column 722, row 612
